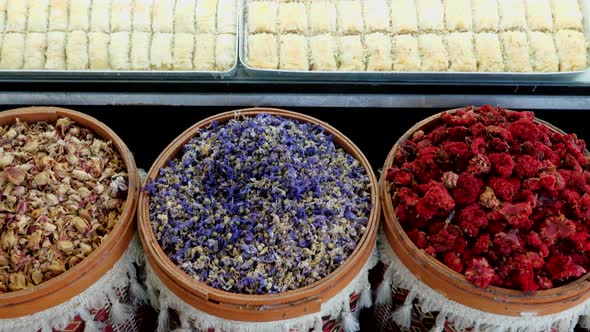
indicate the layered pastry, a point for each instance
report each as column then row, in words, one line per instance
column 416, row 35
column 189, row 35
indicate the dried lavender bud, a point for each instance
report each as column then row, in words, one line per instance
column 260, row 205
column 59, row 198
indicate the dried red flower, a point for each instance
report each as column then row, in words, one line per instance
column 479, row 272
column 468, row 189
column 497, row 197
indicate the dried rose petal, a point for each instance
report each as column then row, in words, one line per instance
column 15, row 175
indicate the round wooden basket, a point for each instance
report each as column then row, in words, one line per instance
column 74, row 281
column 454, row 285
column 256, row 308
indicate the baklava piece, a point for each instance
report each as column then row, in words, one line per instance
column 13, row 51
column 488, row 52
column 80, row 15
column 204, row 58
column 539, row 17
column 121, row 18
column 292, row 17
column 58, row 17
column 293, row 52
column 77, row 51
column 350, row 17
column 16, row 16
column 485, row 15
column 567, row 15
column 38, row 16
column 161, row 51
column 262, row 51
column 433, row 53
column 183, row 51
column 512, row 15
column 184, row 17
column 403, row 17
column 460, row 49
column 2, row 16
column 430, row 15
column 376, row 14
column 379, row 52
column 119, row 51
column 35, row 48
column 56, row 50
column 405, row 55
column 100, row 20
column 516, row 51
column 225, row 51
column 98, row 50
column 142, row 15
column 458, row 15
column 206, row 13
column 163, row 16
column 141, row 44
column 543, row 53
column 323, row 52
column 226, row 16
column 571, row 50
column 352, row 57
column 262, row 17
column 322, row 17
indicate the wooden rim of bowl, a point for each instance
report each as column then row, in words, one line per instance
column 454, row 285
column 256, row 308
column 76, row 280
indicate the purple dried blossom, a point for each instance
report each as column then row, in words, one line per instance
column 260, row 205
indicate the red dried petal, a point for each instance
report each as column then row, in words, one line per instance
column 498, row 132
column 403, row 178
column 551, row 181
column 544, row 282
column 452, row 259
column 468, row 189
column 419, row 238
column 479, row 164
column 477, row 130
column 526, row 166
column 472, row 219
column 458, row 133
column 502, row 164
column 479, row 272
column 498, row 145
column 525, row 279
column 506, row 243
column 443, row 241
column 459, row 118
column 436, row 201
column 408, row 197
column 504, row 188
column 561, row 267
column 524, row 130
column 517, row 214
column 456, row 150
column 482, row 244
column 556, row 228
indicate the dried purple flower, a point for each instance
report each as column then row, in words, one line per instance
column 260, row 205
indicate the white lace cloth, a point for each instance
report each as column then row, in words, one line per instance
column 104, row 292
column 339, row 306
column 461, row 316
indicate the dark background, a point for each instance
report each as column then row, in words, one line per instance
column 147, row 130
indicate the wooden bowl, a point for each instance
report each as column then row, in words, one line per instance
column 76, row 280
column 256, row 308
column 454, row 285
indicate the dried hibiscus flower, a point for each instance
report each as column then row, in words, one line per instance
column 497, row 197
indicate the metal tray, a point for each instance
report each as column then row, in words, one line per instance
column 19, row 75
column 418, row 76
